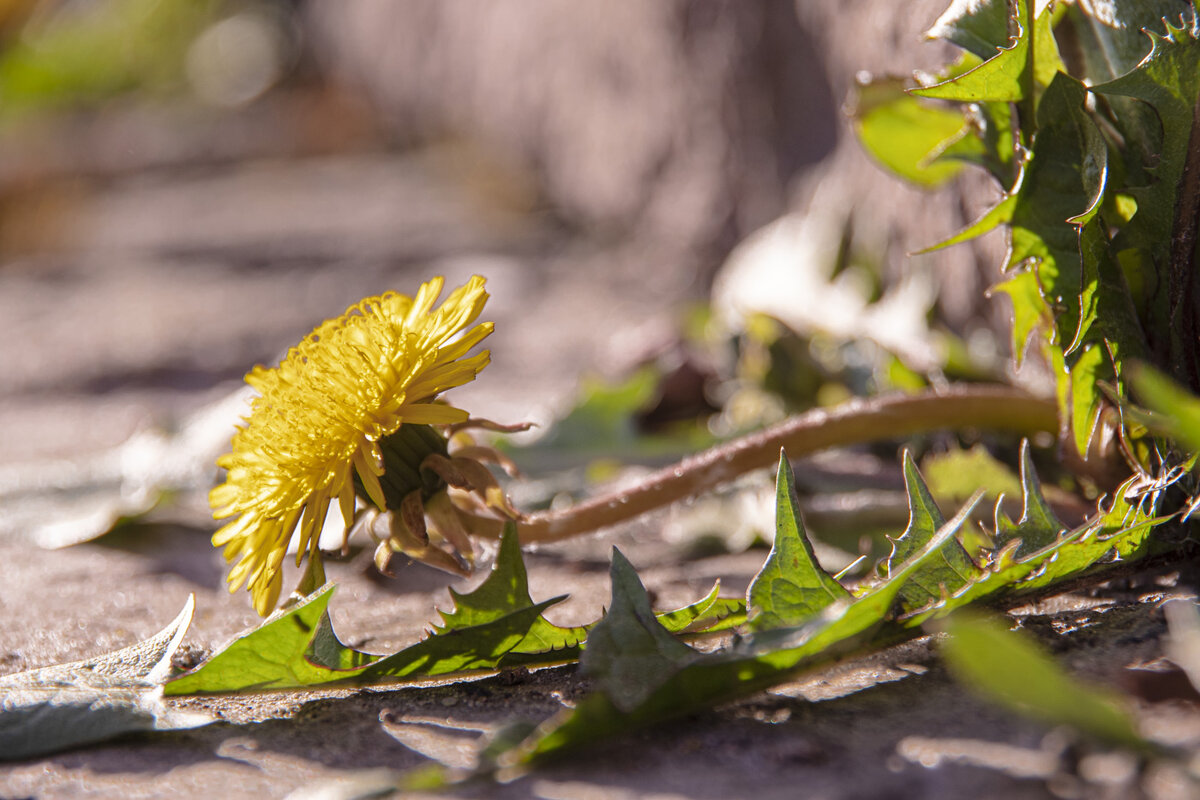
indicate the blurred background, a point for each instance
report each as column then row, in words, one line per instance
column 189, row 186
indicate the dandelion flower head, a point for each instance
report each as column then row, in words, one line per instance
column 319, row 417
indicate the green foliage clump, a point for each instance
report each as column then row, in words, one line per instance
column 1088, row 123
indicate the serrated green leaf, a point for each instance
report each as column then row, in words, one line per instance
column 905, row 135
column 1061, row 185
column 977, row 26
column 1168, row 81
column 1038, row 527
column 1009, row 669
column 1105, row 301
column 1108, row 334
column 761, row 660
column 708, row 614
column 1122, row 532
column 1111, row 42
column 505, row 590
column 67, row 705
column 271, row 656
column 297, row 648
column 946, row 572
column 997, row 215
column 629, row 653
column 769, row 657
column 495, row 626
column 1062, row 188
column 479, row 647
column 1010, row 75
column 924, row 517
column 1003, row 77
column 791, row 586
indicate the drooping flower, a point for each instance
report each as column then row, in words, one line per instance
column 315, row 430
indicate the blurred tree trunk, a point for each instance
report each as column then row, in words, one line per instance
column 682, row 124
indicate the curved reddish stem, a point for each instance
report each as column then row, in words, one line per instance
column 988, row 407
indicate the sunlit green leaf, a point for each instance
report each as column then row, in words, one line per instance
column 1002, row 78
column 1091, row 365
column 271, row 656
column 791, row 587
column 1030, row 311
column 493, row 627
column 997, row 215
column 1038, row 527
column 956, row 474
column 945, row 572
column 709, row 614
column 479, row 647
column 506, row 589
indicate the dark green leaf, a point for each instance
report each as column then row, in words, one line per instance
column 1110, row 38
column 1061, row 187
column 629, row 653
column 1108, row 334
column 761, row 660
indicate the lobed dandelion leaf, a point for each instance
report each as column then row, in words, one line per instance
column 947, row 571
column 1038, row 527
column 791, row 586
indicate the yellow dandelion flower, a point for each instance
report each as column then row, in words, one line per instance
column 320, row 415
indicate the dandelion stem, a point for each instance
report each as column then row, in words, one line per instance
column 986, row 407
